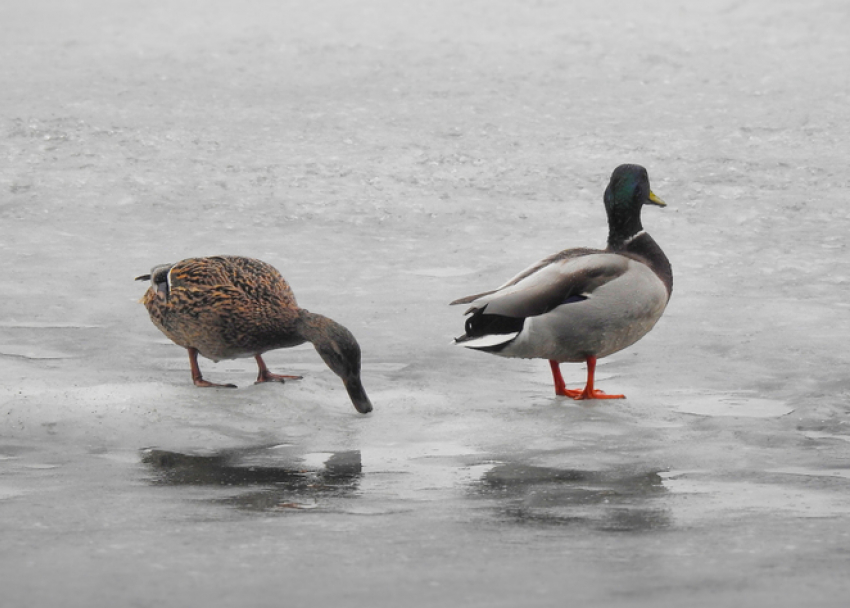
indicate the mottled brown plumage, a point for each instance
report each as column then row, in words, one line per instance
column 228, row 307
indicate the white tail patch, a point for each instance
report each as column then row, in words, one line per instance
column 489, row 341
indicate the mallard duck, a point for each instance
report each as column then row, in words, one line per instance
column 228, row 307
column 580, row 305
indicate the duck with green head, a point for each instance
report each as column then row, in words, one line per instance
column 580, row 305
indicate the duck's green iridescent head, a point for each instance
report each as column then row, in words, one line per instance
column 626, row 193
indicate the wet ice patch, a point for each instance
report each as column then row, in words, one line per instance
column 316, row 460
column 805, row 471
column 726, row 405
column 822, row 435
column 47, row 325
column 24, row 351
column 38, row 339
column 7, row 492
column 719, row 498
column 421, row 471
column 114, row 412
column 127, row 457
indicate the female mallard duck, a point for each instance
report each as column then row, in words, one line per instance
column 581, row 304
column 227, row 307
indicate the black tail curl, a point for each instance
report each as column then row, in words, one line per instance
column 482, row 324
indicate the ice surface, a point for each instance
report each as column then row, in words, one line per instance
column 707, row 403
column 389, row 157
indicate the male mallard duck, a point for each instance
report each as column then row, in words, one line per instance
column 581, row 304
column 228, row 307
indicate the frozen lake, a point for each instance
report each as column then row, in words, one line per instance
column 389, row 157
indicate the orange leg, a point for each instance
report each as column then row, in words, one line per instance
column 266, row 376
column 558, row 379
column 589, row 391
column 197, row 378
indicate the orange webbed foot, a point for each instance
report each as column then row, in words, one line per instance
column 589, row 391
column 582, row 394
column 592, row 394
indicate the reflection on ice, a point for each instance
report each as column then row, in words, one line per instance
column 609, row 501
column 286, row 483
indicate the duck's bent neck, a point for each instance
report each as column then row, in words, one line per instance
column 311, row 326
column 334, row 343
column 339, row 350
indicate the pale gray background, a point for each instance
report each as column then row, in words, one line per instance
column 388, row 157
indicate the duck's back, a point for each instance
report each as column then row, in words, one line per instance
column 255, row 279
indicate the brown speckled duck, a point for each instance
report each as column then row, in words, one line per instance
column 228, row 307
column 581, row 304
